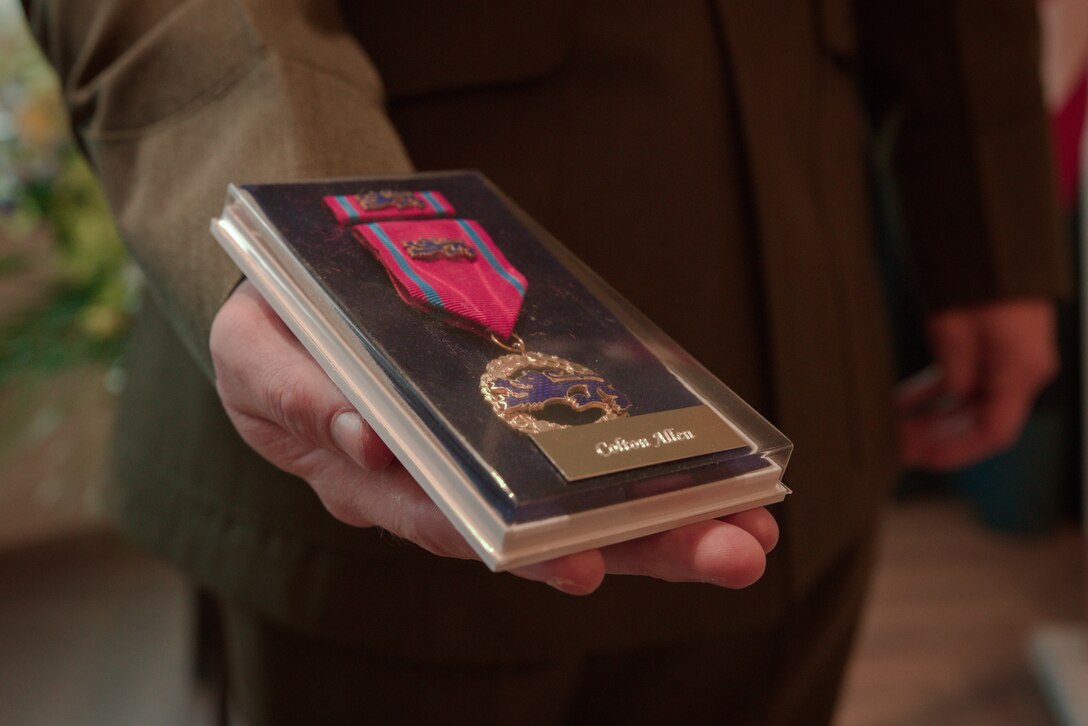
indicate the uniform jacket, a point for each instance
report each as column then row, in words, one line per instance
column 706, row 157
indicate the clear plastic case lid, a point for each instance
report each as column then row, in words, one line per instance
column 518, row 387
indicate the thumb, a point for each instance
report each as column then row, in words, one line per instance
column 358, row 440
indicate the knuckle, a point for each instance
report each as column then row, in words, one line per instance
column 404, row 525
column 419, row 526
column 228, row 385
column 346, row 512
column 283, row 397
column 347, row 504
column 290, row 403
column 428, row 541
column 226, row 324
column 224, row 390
column 227, row 343
column 218, row 348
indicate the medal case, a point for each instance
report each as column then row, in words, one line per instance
column 583, row 427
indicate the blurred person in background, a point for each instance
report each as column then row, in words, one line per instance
column 1064, row 30
column 708, row 159
column 1034, row 485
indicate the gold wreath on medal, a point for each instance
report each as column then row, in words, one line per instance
column 521, row 386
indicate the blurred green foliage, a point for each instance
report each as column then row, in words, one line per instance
column 46, row 187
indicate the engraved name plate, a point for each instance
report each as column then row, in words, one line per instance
column 581, row 452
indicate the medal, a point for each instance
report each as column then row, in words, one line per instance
column 453, row 269
column 521, row 384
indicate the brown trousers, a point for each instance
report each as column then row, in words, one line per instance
column 764, row 676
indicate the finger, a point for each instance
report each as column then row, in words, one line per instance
column 1010, row 377
column 920, row 391
column 263, row 372
column 358, row 440
column 716, row 552
column 999, row 420
column 389, row 498
column 919, row 434
column 949, row 455
column 582, row 573
column 992, row 425
column 955, row 346
column 577, row 574
column 944, row 441
column 1005, row 409
column 953, row 455
column 759, row 523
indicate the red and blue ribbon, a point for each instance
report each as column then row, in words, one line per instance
column 483, row 290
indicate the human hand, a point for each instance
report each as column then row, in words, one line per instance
column 991, row 362
column 287, row 409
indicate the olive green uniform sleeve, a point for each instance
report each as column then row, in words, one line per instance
column 171, row 101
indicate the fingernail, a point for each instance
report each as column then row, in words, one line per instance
column 347, row 432
column 568, row 586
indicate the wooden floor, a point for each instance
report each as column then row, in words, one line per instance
column 945, row 638
column 94, row 634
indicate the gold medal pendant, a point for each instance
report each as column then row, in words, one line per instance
column 537, row 392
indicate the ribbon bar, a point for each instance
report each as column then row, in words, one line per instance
column 387, row 204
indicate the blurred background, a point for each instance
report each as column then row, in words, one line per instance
column 91, row 632
column 977, row 610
